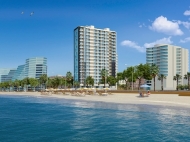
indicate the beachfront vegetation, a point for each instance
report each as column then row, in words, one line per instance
column 161, row 77
column 154, row 70
column 177, row 78
column 31, row 84
column 104, row 75
column 187, row 76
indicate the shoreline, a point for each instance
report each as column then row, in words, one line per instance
column 128, row 98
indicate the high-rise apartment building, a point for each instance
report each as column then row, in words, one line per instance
column 171, row 60
column 94, row 50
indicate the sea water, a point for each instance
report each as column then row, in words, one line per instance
column 43, row 119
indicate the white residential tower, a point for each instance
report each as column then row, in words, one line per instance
column 94, row 50
column 171, row 60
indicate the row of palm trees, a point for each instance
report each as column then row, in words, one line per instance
column 147, row 72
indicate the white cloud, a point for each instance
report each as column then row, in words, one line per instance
column 159, row 41
column 132, row 44
column 142, row 25
column 163, row 25
column 185, row 40
column 185, row 24
column 187, row 13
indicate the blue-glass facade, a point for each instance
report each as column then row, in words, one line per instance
column 159, row 56
column 33, row 68
column 6, row 74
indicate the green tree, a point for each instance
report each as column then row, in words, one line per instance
column 104, row 74
column 17, row 84
column 33, row 83
column 119, row 76
column 177, row 78
column 143, row 71
column 187, row 76
column 49, row 83
column 89, row 81
column 56, row 82
column 111, row 80
column 43, row 79
column 25, row 83
column 161, row 77
column 76, row 84
column 10, row 84
column 154, row 72
column 69, row 79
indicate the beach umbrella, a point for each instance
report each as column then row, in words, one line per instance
column 144, row 86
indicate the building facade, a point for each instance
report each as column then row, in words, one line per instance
column 94, row 50
column 6, row 74
column 33, row 68
column 171, row 60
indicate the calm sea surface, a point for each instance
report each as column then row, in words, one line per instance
column 29, row 119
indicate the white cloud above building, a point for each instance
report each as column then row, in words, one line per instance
column 185, row 40
column 142, row 49
column 163, row 25
column 159, row 41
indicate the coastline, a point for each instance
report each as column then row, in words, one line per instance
column 128, row 98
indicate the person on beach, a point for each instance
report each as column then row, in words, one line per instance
column 148, row 93
column 141, row 94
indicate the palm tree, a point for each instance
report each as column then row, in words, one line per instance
column 104, row 74
column 76, row 83
column 25, row 82
column 43, row 79
column 154, row 72
column 187, row 76
column 139, row 73
column 161, row 77
column 111, row 80
column 69, row 78
column 90, row 81
column 177, row 78
column 17, row 84
column 56, row 82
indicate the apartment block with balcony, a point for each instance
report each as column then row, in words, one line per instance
column 94, row 50
column 171, row 60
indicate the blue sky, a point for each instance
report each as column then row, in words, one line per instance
column 49, row 31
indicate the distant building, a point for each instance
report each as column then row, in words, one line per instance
column 94, row 50
column 171, row 60
column 33, row 68
column 6, row 74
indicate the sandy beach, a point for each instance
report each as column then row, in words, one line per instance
column 154, row 99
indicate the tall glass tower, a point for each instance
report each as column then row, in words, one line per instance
column 94, row 50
